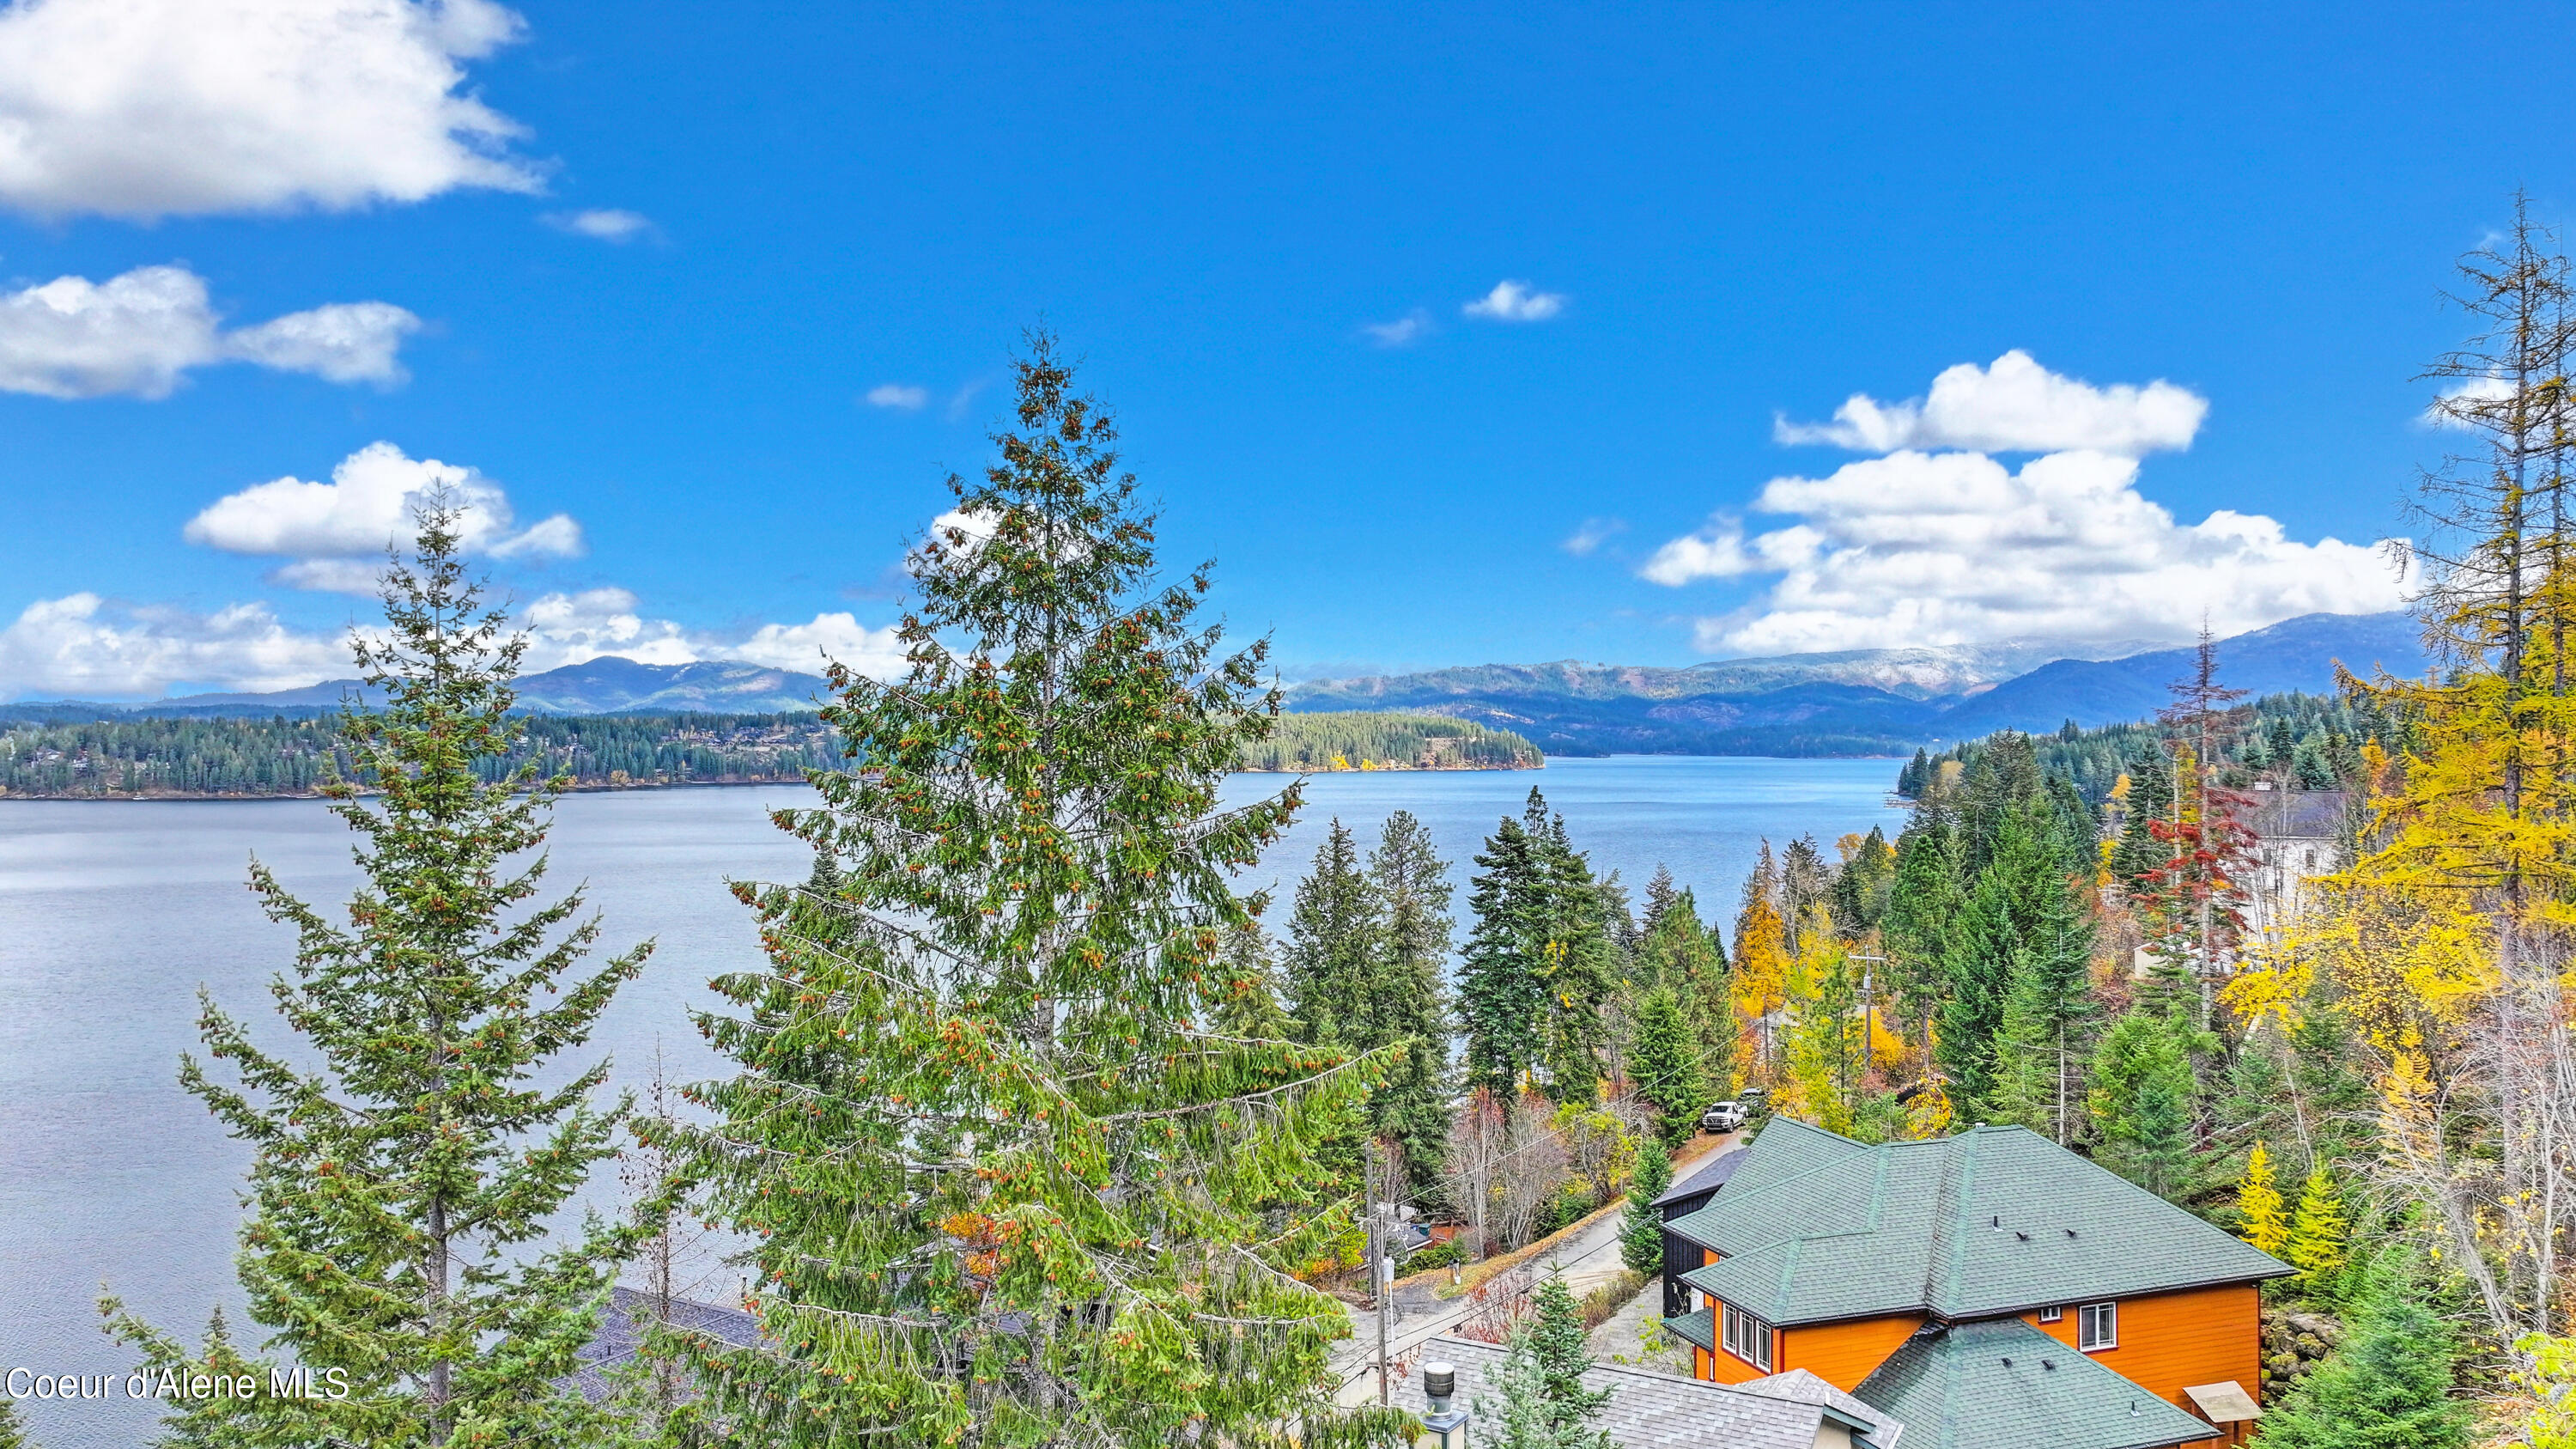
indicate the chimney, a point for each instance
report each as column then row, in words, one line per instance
column 1448, row 1425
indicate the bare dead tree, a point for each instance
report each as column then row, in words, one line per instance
column 2494, row 601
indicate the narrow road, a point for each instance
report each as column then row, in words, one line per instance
column 1588, row 1258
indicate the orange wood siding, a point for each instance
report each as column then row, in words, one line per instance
column 1842, row 1354
column 1726, row 1368
column 2172, row 1341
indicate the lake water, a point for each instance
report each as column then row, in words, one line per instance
column 112, row 914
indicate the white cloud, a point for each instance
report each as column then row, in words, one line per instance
column 2464, row 404
column 88, row 647
column 877, row 653
column 148, row 108
column 361, row 576
column 2014, row 406
column 1594, row 533
column 139, row 333
column 570, row 628
column 338, row 528
column 902, row 397
column 1952, row 548
column 85, row 646
column 608, row 225
column 344, row 342
column 1516, row 302
column 1404, row 331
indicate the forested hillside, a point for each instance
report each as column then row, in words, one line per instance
column 2313, row 742
column 278, row 756
column 174, row 758
column 1362, row 741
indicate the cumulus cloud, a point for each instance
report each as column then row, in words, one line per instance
column 611, row 226
column 2014, row 406
column 902, row 397
column 1404, row 331
column 877, row 653
column 84, row 646
column 1516, row 302
column 149, row 108
column 337, row 530
column 1946, row 548
column 344, row 342
column 140, row 333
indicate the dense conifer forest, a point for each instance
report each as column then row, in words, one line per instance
column 188, row 758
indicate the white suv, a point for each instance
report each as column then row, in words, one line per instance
column 1723, row 1117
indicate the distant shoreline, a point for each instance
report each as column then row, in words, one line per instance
column 150, row 797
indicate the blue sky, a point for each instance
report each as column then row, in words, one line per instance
column 639, row 267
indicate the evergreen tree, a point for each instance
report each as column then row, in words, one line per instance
column 1330, row 970
column 1680, row 955
column 1249, row 1005
column 2141, row 1097
column 403, row 1185
column 11, row 1436
column 1923, row 902
column 2387, row 1385
column 2048, row 1013
column 1578, row 962
column 1805, row 883
column 2316, row 1240
column 1916, row 775
column 2018, row 905
column 1524, row 1417
column 1667, row 1067
column 1660, row 896
column 1001, row 1186
column 2309, row 770
column 1557, row 1342
column 2151, row 799
column 1410, row 1015
column 1860, row 891
column 1641, row 1235
column 2260, row 1218
column 1502, row 995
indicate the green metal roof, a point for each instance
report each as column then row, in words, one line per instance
column 2002, row 1384
column 1998, row 1220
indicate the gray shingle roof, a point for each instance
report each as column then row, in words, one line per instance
column 624, row 1322
column 1659, row 1411
column 1992, row 1221
column 1709, row 1177
column 2002, row 1384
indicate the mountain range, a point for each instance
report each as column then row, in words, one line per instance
column 1850, row 702
column 1867, row 701
column 608, row 685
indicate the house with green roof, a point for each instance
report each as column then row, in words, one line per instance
column 1989, row 1289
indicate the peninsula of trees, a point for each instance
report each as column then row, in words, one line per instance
column 150, row 757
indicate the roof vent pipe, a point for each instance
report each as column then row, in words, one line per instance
column 1448, row 1426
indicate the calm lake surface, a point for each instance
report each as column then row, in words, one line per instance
column 114, row 914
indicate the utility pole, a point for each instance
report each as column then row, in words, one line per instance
column 1868, row 978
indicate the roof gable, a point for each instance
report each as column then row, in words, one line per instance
column 1992, row 1221
column 2001, row 1384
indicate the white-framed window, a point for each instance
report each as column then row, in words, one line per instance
column 2054, row 1313
column 2097, row 1326
column 1746, row 1337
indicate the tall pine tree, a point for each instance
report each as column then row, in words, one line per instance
column 410, row 1157
column 1003, row 1183
column 1667, row 1067
column 1502, row 994
column 1411, row 1015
